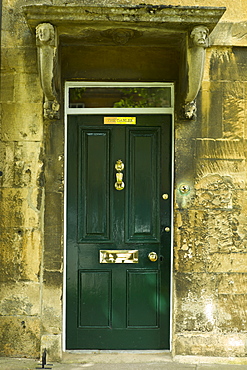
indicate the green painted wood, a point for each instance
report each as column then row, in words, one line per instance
column 144, row 173
column 93, row 189
column 143, row 298
column 94, row 298
column 118, row 306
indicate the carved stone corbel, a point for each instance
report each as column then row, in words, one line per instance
column 46, row 41
column 196, row 59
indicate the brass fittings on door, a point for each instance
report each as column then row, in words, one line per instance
column 119, row 166
column 153, row 256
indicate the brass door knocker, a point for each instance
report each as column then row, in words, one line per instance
column 119, row 166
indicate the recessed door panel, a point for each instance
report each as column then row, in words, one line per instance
column 94, row 298
column 93, row 190
column 143, row 298
column 144, row 170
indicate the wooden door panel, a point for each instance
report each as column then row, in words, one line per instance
column 94, row 298
column 120, row 339
column 93, row 187
column 142, row 217
column 143, row 298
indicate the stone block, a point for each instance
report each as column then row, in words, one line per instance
column 232, row 283
column 194, row 284
column 55, row 144
column 215, row 115
column 53, row 279
column 232, row 33
column 227, row 262
column 7, row 163
column 54, row 207
column 240, row 222
column 185, row 261
column 20, row 254
column 222, row 236
column 19, row 59
column 245, row 121
column 232, row 313
column 235, row 169
column 27, row 163
column 214, row 192
column 32, row 251
column 19, row 207
column 20, row 299
column 53, row 247
column 52, row 309
column 195, row 302
column 15, row 32
column 218, row 149
column 53, row 231
column 22, row 122
column 6, row 35
column 55, row 156
column 19, row 336
column 211, row 344
column 53, row 346
column 240, row 55
column 233, row 110
column 204, row 148
column 223, row 66
column 7, row 87
column 203, row 102
column 191, row 241
column 28, row 88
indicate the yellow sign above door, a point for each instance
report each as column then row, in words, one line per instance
column 119, row 120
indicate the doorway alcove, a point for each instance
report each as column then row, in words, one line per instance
column 126, row 43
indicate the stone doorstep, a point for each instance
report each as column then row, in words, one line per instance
column 103, row 357
column 145, row 357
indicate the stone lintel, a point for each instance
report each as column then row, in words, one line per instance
column 65, row 18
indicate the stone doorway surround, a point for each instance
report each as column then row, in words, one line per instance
column 146, row 24
column 186, row 28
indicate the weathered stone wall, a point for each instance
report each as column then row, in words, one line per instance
column 210, row 232
column 210, row 272
column 22, row 189
column 31, row 200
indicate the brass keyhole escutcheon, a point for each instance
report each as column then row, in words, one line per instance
column 153, row 256
column 119, row 166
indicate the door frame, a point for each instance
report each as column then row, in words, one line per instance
column 101, row 111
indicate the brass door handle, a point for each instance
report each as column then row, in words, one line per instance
column 119, row 166
column 153, row 256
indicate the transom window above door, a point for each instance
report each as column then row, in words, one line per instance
column 119, row 96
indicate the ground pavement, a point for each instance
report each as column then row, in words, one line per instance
column 149, row 360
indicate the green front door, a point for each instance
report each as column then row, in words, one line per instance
column 118, row 295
